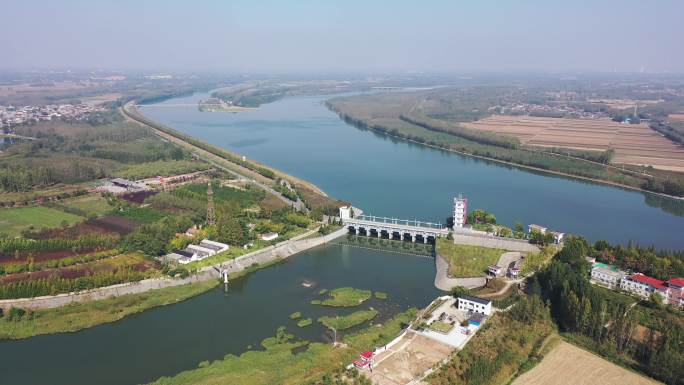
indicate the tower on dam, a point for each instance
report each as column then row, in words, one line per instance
column 460, row 211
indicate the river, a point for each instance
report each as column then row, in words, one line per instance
column 384, row 177
column 390, row 177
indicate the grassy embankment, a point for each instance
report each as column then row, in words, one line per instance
column 401, row 115
column 277, row 364
column 84, row 315
column 348, row 321
column 467, row 261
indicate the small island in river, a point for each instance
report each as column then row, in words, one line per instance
column 219, row 105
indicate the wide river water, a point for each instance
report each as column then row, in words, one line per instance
column 384, row 177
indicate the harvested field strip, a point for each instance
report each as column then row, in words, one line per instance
column 628, row 141
column 568, row 364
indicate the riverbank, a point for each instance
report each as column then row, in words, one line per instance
column 80, row 316
column 420, row 141
column 247, row 168
column 76, row 311
column 286, row 361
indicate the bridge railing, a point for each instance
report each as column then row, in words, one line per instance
column 400, row 222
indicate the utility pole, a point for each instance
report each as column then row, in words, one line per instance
column 211, row 214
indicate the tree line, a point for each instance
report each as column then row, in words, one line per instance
column 661, row 264
column 85, row 242
column 603, row 320
column 52, row 286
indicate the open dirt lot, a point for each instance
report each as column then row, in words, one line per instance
column 568, row 364
column 633, row 143
column 408, row 359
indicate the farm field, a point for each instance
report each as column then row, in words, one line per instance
column 13, row 221
column 568, row 364
column 133, row 261
column 92, row 204
column 634, row 144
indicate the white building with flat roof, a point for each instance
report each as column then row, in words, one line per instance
column 540, row 229
column 607, row 276
column 474, row 304
column 205, row 249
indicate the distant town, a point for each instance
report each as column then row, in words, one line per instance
column 14, row 116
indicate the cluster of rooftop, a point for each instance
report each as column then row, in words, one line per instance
column 553, row 109
column 670, row 291
column 192, row 253
column 11, row 116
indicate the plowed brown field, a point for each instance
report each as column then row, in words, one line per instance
column 633, row 143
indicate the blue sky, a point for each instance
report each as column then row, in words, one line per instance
column 265, row 36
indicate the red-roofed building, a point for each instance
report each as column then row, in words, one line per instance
column 365, row 360
column 675, row 291
column 644, row 286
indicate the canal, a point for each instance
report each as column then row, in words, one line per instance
column 384, row 177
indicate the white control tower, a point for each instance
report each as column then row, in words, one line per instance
column 460, row 211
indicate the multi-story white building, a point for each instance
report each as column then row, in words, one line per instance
column 460, row 211
column 607, row 276
column 644, row 286
column 474, row 304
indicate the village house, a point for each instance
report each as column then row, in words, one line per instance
column 495, row 270
column 474, row 304
column 557, row 236
column 644, row 286
column 536, row 228
column 607, row 275
column 675, row 291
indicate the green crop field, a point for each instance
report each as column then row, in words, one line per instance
column 91, row 204
column 467, row 261
column 13, row 221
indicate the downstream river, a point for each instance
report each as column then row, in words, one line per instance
column 384, row 177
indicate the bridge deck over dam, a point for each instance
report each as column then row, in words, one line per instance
column 395, row 228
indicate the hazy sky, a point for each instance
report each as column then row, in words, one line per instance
column 262, row 36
